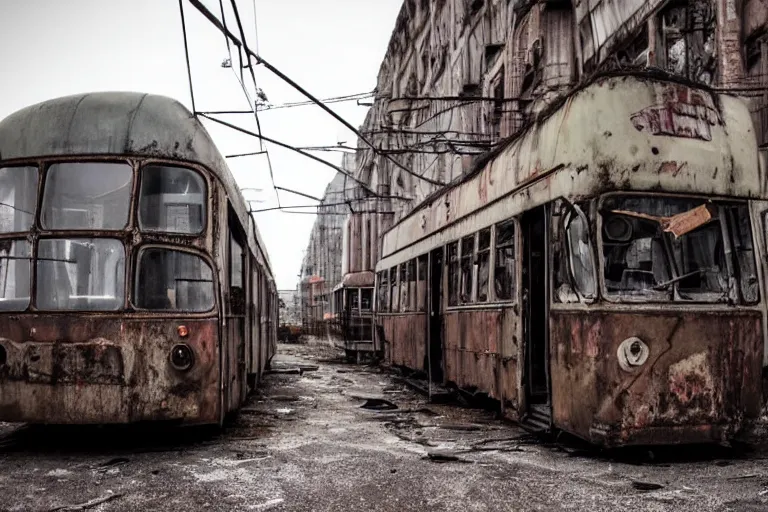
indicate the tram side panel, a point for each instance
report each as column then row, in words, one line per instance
column 479, row 352
column 403, row 319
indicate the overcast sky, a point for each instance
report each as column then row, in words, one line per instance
column 51, row 48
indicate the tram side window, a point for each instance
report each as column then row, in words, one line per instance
column 394, row 295
column 467, row 253
column 582, row 264
column 404, row 289
column 173, row 281
column 454, row 277
column 412, row 292
column 483, row 264
column 236, row 278
column 504, row 271
column 421, row 286
column 741, row 232
column 172, row 200
column 18, row 195
column 383, row 298
column 366, row 299
column 94, row 195
column 353, row 296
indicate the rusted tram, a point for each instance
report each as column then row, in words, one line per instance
column 134, row 284
column 601, row 274
column 353, row 319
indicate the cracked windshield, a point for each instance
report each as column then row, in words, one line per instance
column 390, row 255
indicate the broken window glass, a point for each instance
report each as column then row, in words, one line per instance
column 454, row 276
column 580, row 254
column 467, row 252
column 504, row 271
column 383, row 298
column 741, row 232
column 635, row 261
column 483, row 264
column 664, row 248
column 95, row 195
column 18, row 195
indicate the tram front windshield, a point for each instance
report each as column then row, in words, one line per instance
column 677, row 249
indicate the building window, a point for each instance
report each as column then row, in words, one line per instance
column 483, row 264
column 498, row 105
column 467, row 251
column 504, row 271
column 453, row 274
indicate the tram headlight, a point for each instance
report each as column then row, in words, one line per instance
column 632, row 352
column 182, row 357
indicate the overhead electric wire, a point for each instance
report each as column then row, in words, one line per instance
column 186, row 53
column 338, row 99
column 240, row 80
column 302, row 194
column 365, row 186
column 332, row 213
column 345, row 203
column 259, row 60
column 246, row 154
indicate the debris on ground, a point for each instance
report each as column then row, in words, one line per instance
column 442, row 456
column 646, row 486
column 378, row 404
column 88, row 504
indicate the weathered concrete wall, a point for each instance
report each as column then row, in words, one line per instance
column 321, row 266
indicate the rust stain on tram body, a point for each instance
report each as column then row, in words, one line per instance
column 106, row 369
column 700, row 383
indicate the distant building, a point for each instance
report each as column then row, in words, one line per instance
column 290, row 309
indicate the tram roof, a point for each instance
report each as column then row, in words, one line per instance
column 120, row 123
column 639, row 131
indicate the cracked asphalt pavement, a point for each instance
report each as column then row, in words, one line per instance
column 344, row 437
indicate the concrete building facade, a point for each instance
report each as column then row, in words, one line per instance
column 461, row 76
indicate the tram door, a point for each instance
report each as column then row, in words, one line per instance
column 534, row 284
column 435, row 349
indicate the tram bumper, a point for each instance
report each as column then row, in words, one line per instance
column 106, row 371
column 694, row 377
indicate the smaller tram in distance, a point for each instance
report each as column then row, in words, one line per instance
column 352, row 317
column 601, row 274
column 134, row 285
